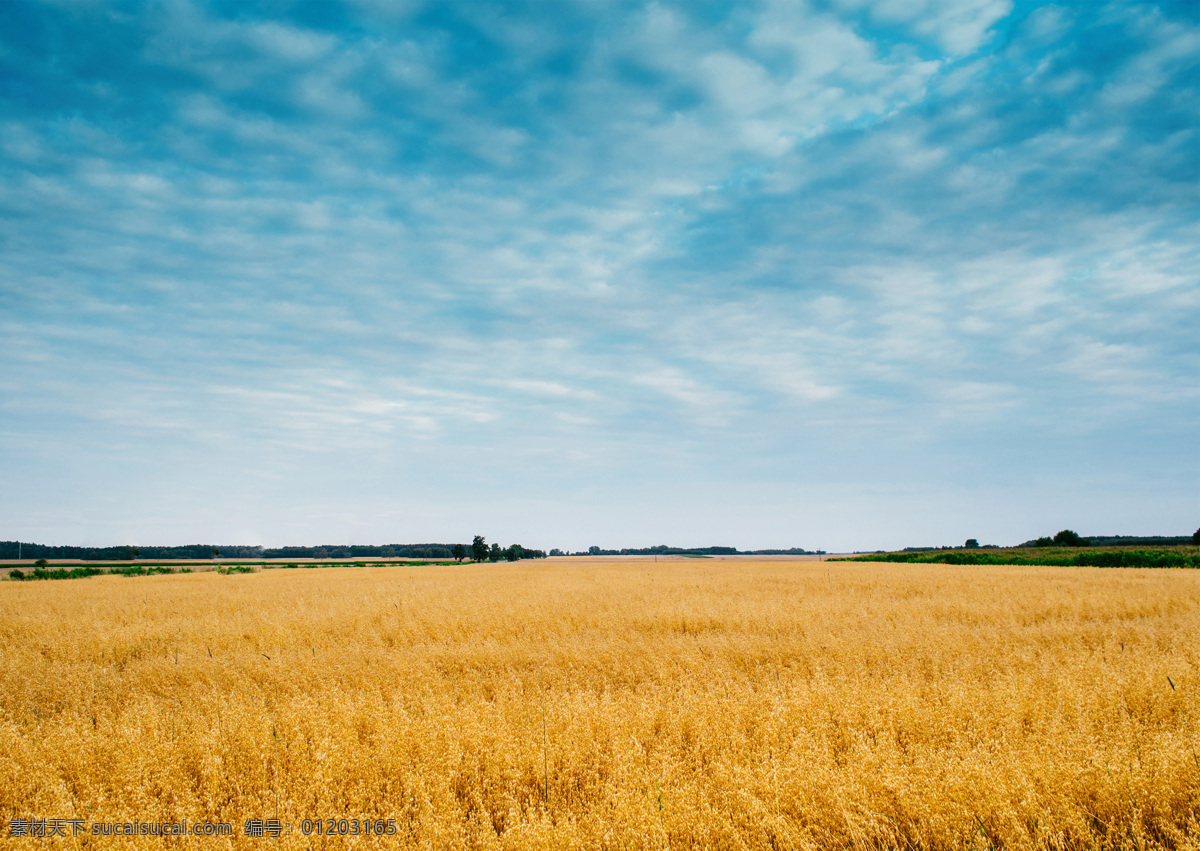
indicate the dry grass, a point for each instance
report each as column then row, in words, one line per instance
column 592, row 704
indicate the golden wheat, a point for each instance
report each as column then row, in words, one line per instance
column 613, row 704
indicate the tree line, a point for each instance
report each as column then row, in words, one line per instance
column 1068, row 538
column 664, row 550
column 12, row 550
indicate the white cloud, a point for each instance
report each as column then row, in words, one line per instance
column 289, row 43
column 959, row 26
column 709, row 405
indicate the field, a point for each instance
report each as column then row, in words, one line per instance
column 612, row 704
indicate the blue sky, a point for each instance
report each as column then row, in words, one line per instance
column 840, row 274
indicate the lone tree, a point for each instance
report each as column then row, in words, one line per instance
column 1067, row 538
column 479, row 549
column 459, row 552
column 971, row 544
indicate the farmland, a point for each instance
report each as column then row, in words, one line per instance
column 618, row 703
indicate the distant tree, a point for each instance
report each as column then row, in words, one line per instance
column 216, row 551
column 1044, row 542
column 479, row 548
column 971, row 544
column 1067, row 538
column 513, row 552
column 41, row 562
column 495, row 553
column 459, row 552
column 557, row 552
column 1196, row 538
column 593, row 551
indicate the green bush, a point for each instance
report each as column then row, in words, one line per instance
column 61, row 573
column 85, row 572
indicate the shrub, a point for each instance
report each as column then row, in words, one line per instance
column 16, row 575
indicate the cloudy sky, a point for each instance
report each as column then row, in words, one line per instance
column 842, row 274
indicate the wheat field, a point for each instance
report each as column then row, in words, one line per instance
column 611, row 704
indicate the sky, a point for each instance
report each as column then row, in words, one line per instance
column 837, row 274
